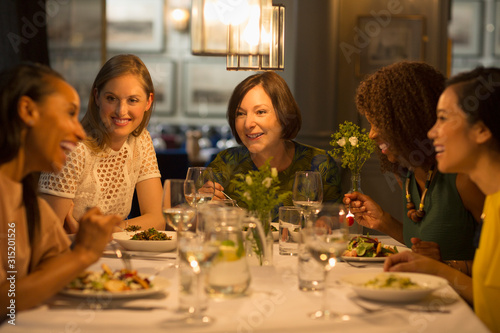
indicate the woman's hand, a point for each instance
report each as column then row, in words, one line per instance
column 366, row 211
column 428, row 249
column 94, row 233
column 408, row 261
column 71, row 225
column 218, row 195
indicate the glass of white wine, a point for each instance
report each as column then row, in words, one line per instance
column 307, row 193
column 326, row 239
column 197, row 253
column 176, row 210
column 204, row 189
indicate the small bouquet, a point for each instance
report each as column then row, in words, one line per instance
column 259, row 191
column 352, row 146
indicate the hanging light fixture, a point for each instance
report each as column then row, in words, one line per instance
column 274, row 57
column 222, row 27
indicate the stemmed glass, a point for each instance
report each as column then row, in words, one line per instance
column 307, row 193
column 197, row 253
column 326, row 240
column 204, row 188
column 177, row 212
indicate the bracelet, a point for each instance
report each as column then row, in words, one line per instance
column 456, row 265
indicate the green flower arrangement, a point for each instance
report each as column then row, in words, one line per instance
column 352, row 146
column 259, row 191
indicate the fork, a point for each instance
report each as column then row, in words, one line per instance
column 354, row 265
column 125, row 257
column 228, row 197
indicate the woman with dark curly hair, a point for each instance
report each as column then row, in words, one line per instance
column 399, row 102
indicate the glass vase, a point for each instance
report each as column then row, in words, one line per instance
column 355, row 228
column 259, row 239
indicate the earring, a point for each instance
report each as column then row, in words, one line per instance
column 31, row 122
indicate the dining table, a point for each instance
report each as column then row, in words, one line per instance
column 273, row 303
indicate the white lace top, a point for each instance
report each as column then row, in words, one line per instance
column 105, row 179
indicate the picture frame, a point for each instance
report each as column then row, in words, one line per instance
column 163, row 74
column 465, row 28
column 207, row 88
column 402, row 38
column 496, row 50
column 135, row 26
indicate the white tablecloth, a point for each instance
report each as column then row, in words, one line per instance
column 275, row 304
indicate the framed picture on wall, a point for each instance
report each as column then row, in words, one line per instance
column 402, row 38
column 497, row 30
column 465, row 29
column 133, row 25
column 208, row 86
column 163, row 74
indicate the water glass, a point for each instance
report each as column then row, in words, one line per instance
column 289, row 230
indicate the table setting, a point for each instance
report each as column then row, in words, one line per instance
column 223, row 269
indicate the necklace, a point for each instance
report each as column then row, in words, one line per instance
column 413, row 214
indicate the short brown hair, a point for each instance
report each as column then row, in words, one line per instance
column 400, row 100
column 285, row 106
column 116, row 66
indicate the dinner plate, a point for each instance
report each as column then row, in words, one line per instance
column 427, row 284
column 123, row 238
column 373, row 259
column 159, row 286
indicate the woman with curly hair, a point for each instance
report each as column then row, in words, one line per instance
column 399, row 101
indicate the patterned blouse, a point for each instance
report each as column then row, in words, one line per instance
column 233, row 161
column 106, row 179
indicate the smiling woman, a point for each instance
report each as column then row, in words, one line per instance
column 265, row 119
column 118, row 155
column 39, row 125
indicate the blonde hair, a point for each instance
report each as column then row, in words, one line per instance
column 120, row 65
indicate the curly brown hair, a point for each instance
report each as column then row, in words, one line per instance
column 400, row 101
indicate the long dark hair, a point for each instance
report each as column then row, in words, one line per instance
column 32, row 80
column 478, row 94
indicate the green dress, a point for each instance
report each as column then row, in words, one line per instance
column 236, row 160
column 446, row 221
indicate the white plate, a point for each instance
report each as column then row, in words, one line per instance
column 123, row 238
column 159, row 285
column 428, row 284
column 374, row 259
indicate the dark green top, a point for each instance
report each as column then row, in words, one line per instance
column 446, row 221
column 233, row 161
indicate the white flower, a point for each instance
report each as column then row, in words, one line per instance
column 267, row 182
column 274, row 172
column 247, row 196
column 353, row 140
column 341, row 142
column 248, row 180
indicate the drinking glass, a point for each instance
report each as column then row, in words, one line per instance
column 177, row 212
column 308, row 193
column 196, row 253
column 326, row 240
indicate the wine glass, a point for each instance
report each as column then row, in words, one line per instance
column 203, row 180
column 204, row 189
column 196, row 253
column 326, row 239
column 176, row 210
column 307, row 193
